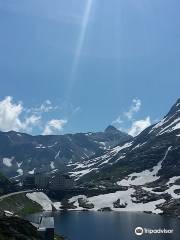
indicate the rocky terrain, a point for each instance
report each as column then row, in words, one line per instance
column 15, row 228
column 5, row 185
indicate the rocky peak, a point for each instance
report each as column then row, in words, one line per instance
column 170, row 123
column 175, row 109
column 111, row 128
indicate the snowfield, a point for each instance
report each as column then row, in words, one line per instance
column 82, row 168
column 119, row 148
column 107, row 200
column 145, row 176
column 43, row 200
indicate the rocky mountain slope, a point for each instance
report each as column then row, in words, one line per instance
column 21, row 153
column 5, row 185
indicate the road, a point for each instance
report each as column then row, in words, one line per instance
column 15, row 193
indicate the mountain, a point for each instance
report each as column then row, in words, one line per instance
column 142, row 174
column 21, row 153
column 156, row 150
column 110, row 129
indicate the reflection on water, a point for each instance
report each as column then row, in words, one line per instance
column 112, row 225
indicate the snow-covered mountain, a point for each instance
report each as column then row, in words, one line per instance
column 146, row 170
column 152, row 155
column 21, row 153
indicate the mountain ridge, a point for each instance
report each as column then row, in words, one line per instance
column 22, row 153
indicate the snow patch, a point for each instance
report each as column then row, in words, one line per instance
column 52, row 165
column 166, row 129
column 145, row 176
column 173, row 180
column 19, row 164
column 42, row 199
column 56, row 205
column 32, row 171
column 159, row 124
column 57, row 155
column 20, row 171
column 80, row 173
column 119, row 148
column 172, row 193
column 40, row 146
column 177, row 126
column 139, row 145
column 8, row 161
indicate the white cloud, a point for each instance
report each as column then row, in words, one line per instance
column 54, row 126
column 11, row 116
column 45, row 107
column 75, row 110
column 118, row 120
column 48, row 102
column 30, row 122
column 138, row 126
column 128, row 116
column 135, row 107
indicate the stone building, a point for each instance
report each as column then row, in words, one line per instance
column 42, row 180
column 29, row 181
column 53, row 181
column 61, row 182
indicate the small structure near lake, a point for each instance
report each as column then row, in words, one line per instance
column 46, row 228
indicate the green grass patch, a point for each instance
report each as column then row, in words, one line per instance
column 19, row 204
column 57, row 237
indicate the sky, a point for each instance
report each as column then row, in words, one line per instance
column 71, row 66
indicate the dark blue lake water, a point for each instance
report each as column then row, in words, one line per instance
column 112, row 225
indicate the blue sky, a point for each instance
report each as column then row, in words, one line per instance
column 77, row 66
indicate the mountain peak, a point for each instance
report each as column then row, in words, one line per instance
column 175, row 108
column 111, row 128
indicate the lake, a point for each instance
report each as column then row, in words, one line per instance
column 78, row 225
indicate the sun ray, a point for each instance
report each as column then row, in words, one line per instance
column 78, row 51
